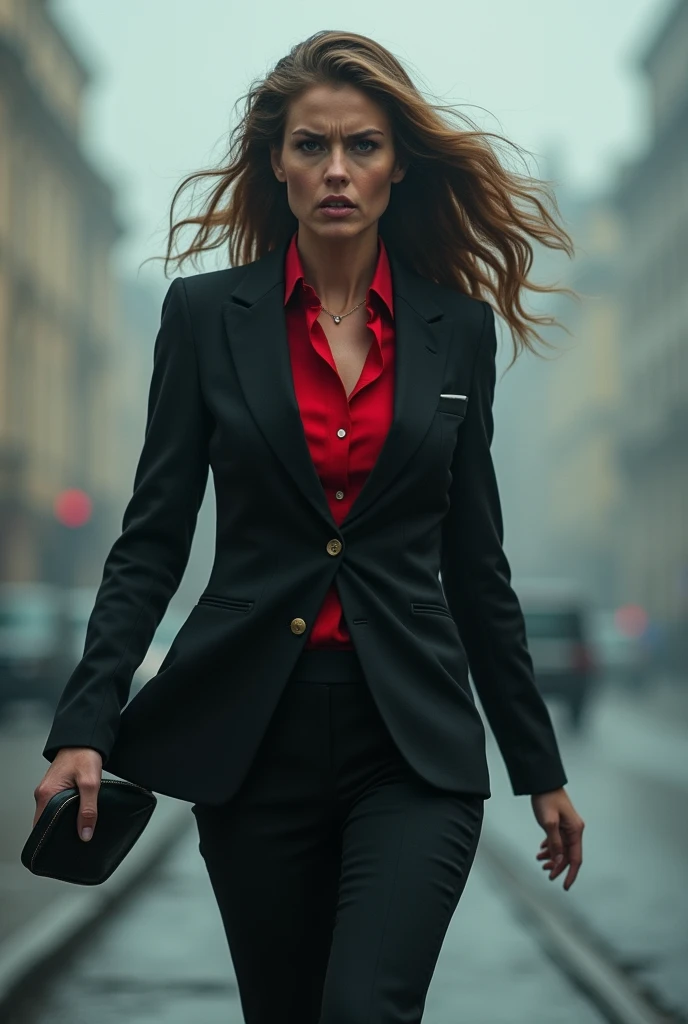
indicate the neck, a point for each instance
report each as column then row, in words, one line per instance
column 340, row 270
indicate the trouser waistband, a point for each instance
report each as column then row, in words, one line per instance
column 328, row 665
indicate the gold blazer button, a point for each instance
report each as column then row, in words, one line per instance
column 298, row 625
column 334, row 546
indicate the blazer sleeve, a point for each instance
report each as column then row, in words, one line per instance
column 476, row 578
column 147, row 561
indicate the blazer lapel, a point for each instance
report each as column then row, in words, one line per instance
column 422, row 335
column 256, row 331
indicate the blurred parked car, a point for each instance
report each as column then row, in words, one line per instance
column 34, row 643
column 82, row 600
column 80, row 605
column 621, row 655
column 558, row 629
column 168, row 628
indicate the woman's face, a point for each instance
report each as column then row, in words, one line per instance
column 337, row 141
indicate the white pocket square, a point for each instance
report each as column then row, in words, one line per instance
column 452, row 396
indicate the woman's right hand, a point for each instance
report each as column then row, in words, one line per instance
column 73, row 766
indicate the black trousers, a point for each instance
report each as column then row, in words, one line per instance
column 336, row 868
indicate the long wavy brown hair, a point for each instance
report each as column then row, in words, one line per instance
column 459, row 217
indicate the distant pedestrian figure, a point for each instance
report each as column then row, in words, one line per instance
column 338, row 377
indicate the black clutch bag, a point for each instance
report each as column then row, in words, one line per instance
column 55, row 848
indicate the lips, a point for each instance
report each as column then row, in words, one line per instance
column 336, row 201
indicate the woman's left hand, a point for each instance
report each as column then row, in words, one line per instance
column 563, row 846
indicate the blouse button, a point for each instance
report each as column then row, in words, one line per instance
column 341, row 432
column 339, row 495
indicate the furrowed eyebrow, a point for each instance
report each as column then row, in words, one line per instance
column 354, row 135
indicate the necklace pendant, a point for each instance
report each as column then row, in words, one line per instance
column 336, row 319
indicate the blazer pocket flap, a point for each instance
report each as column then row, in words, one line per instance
column 234, row 604
column 455, row 404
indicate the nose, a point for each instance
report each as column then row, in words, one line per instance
column 336, row 168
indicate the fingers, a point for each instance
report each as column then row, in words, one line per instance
column 571, row 857
column 50, row 784
column 89, row 784
column 555, row 845
column 575, row 857
column 41, row 796
column 79, row 768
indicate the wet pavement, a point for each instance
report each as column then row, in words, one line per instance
column 162, row 958
column 629, row 781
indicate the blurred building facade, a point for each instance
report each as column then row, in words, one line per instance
column 583, row 400
column 57, row 310
column 652, row 202
column 594, row 461
column 526, row 451
column 557, row 459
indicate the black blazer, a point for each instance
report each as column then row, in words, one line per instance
column 222, row 396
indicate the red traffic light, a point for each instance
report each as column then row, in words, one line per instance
column 72, row 508
column 631, row 619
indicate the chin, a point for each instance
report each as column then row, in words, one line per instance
column 338, row 228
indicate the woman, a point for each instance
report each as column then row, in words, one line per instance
column 315, row 707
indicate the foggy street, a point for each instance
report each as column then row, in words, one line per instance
column 344, row 353
column 162, row 956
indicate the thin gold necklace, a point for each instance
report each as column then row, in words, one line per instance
column 337, row 317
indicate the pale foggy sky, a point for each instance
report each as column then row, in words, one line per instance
column 553, row 75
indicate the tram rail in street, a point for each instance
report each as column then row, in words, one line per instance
column 587, row 961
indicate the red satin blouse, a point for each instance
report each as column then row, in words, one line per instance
column 344, row 435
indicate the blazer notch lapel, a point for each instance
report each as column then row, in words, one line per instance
column 422, row 339
column 255, row 329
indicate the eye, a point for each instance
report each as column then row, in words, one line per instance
column 361, row 142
